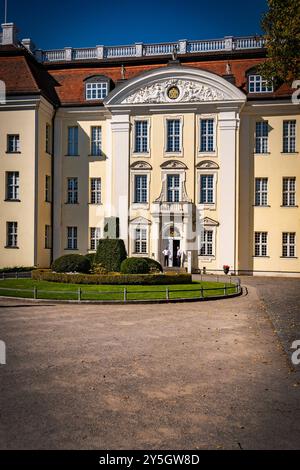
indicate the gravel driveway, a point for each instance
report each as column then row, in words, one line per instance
column 207, row 375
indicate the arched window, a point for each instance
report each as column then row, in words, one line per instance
column 96, row 87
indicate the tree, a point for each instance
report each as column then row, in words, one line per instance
column 281, row 25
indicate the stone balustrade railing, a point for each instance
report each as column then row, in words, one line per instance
column 228, row 43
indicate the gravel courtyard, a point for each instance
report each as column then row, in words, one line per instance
column 211, row 375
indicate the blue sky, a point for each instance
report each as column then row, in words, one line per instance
column 60, row 23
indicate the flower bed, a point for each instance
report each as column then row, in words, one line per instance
column 117, row 279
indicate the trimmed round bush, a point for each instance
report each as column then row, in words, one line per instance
column 71, row 263
column 154, row 266
column 110, row 254
column 135, row 266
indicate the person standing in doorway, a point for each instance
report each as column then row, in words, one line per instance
column 179, row 256
column 166, row 253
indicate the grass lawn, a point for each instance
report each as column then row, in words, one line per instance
column 56, row 290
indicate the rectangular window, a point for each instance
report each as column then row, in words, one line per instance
column 48, row 188
column 47, row 236
column 261, row 137
column 48, row 138
column 289, row 191
column 95, row 236
column 173, row 188
column 96, row 90
column 141, row 137
column 12, row 234
column 173, row 135
column 73, row 140
column 140, row 240
column 96, row 141
column 206, row 243
column 72, row 191
column 72, row 238
column 13, row 143
column 12, row 186
column 207, row 138
column 260, row 242
column 257, row 84
column 289, row 136
column 288, row 245
column 140, row 189
column 95, row 190
column 261, row 191
column 206, row 189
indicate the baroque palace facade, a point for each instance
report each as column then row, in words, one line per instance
column 163, row 145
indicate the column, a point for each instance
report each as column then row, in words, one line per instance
column 226, row 244
column 120, row 127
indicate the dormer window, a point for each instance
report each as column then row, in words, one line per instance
column 96, row 88
column 257, row 84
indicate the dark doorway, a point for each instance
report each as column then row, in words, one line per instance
column 176, row 244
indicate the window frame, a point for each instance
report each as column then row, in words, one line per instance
column 260, row 245
column 261, row 191
column 173, row 188
column 206, row 150
column 48, row 189
column 72, row 237
column 204, row 244
column 94, row 240
column 14, row 186
column 96, row 192
column 72, row 142
column 48, row 138
column 96, row 83
column 72, row 192
column 256, row 79
column 12, row 235
column 288, row 245
column 261, row 144
column 96, row 143
column 289, row 193
column 167, row 150
column 16, row 143
column 48, row 237
column 142, row 241
column 290, row 138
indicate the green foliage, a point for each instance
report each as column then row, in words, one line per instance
column 71, row 263
column 17, row 269
column 110, row 254
column 117, row 279
column 281, row 25
column 154, row 266
column 135, row 266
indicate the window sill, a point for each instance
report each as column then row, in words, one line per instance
column 289, row 207
column 289, row 257
column 17, row 152
column 141, row 154
column 207, row 257
column 260, row 256
column 72, row 203
column 71, row 249
column 289, row 153
column 140, row 254
column 168, row 154
column 99, row 156
column 261, row 205
column 12, row 200
column 95, row 204
column 261, row 154
column 12, row 247
column 208, row 153
column 207, row 205
column 140, row 205
column 72, row 155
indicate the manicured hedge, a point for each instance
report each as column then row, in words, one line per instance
column 134, row 266
column 71, row 263
column 110, row 254
column 119, row 279
column 17, row 269
column 154, row 266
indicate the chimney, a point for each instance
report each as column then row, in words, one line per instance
column 9, row 34
column 29, row 44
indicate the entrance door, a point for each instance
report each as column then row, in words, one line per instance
column 176, row 245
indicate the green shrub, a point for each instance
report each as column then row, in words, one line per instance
column 110, row 254
column 135, row 266
column 98, row 269
column 17, row 269
column 71, row 263
column 154, row 266
column 91, row 257
column 117, row 279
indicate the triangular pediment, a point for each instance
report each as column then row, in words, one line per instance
column 207, row 221
column 140, row 221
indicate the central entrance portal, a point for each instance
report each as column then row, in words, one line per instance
column 172, row 242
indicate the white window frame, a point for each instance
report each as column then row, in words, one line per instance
column 289, row 191
column 140, row 151
column 174, row 188
column 97, row 88
column 72, row 237
column 12, row 234
column 207, row 190
column 288, row 245
column 141, row 189
column 206, row 150
column 133, row 174
column 13, row 139
column 13, row 186
column 95, row 236
column 289, row 137
column 174, row 152
column 48, row 188
column 261, row 192
column 142, row 241
column 96, row 141
column 72, row 190
column 261, row 141
column 96, row 191
column 261, row 244
column 257, row 81
column 48, row 139
column 47, row 237
column 73, row 141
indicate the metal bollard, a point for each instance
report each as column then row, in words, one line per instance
column 125, row 294
column 35, row 292
column 79, row 294
column 167, row 293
